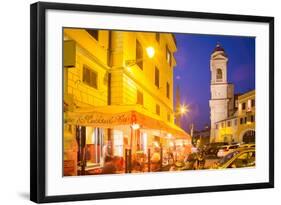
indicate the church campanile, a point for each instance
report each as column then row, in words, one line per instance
column 222, row 93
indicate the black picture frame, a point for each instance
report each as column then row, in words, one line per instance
column 38, row 101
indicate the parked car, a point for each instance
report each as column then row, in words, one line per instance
column 247, row 146
column 238, row 158
column 212, row 148
column 224, row 150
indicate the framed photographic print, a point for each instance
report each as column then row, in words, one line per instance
column 129, row 102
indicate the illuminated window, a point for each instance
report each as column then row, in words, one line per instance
column 90, row 77
column 118, row 143
column 157, row 77
column 139, row 97
column 219, row 74
column 157, row 109
column 94, row 33
column 168, row 56
column 139, row 55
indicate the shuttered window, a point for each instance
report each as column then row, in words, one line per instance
column 90, row 77
column 157, row 109
column 156, row 77
column 139, row 98
column 139, row 55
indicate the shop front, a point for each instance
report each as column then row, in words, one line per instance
column 124, row 139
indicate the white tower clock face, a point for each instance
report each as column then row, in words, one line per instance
column 218, row 94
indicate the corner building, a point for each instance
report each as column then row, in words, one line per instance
column 116, row 97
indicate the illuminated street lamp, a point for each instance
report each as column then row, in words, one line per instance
column 135, row 126
column 182, row 110
column 150, row 52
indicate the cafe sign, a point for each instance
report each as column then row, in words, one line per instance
column 97, row 119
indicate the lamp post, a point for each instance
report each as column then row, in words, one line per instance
column 150, row 52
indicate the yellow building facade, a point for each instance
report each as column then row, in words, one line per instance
column 117, row 96
column 241, row 126
column 246, row 117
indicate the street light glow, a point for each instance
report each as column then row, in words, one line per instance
column 135, row 126
column 183, row 109
column 150, row 51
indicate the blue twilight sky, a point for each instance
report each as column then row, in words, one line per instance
column 193, row 75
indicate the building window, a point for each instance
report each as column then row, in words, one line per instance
column 245, row 119
column 217, row 126
column 168, row 90
column 156, row 77
column 94, row 33
column 228, row 123
column 139, row 97
column 219, row 74
column 90, row 77
column 168, row 117
column 253, row 103
column 236, row 103
column 235, row 122
column 222, row 125
column 139, row 55
column 252, row 118
column 157, row 36
column 243, row 106
column 157, row 109
column 168, row 56
column 118, row 143
column 241, row 121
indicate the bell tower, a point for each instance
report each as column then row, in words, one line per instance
column 222, row 93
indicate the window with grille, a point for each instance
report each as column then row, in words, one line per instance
column 90, row 77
